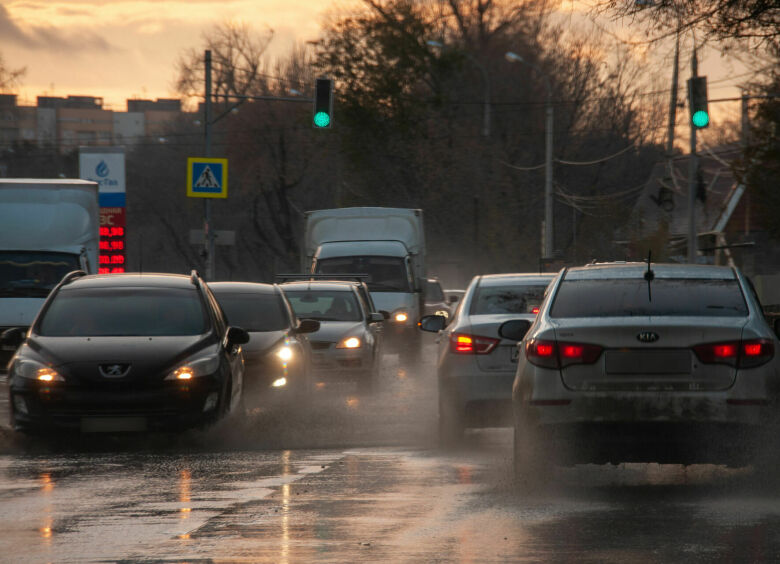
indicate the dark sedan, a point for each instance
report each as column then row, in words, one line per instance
column 126, row 352
column 278, row 354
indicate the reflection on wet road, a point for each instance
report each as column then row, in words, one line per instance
column 358, row 478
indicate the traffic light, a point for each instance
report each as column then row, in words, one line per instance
column 323, row 103
column 697, row 100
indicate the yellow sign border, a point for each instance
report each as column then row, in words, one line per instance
column 202, row 160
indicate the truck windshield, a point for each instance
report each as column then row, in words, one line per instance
column 25, row 274
column 384, row 274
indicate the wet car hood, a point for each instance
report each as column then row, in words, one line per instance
column 334, row 331
column 261, row 341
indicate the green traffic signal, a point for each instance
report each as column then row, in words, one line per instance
column 323, row 103
column 321, row 119
column 697, row 101
column 700, row 119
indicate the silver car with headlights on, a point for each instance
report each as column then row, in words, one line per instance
column 475, row 365
column 638, row 362
column 347, row 346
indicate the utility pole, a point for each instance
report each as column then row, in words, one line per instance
column 673, row 98
column 693, row 166
column 208, row 236
column 548, row 173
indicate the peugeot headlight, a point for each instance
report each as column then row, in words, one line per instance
column 195, row 368
column 34, row 370
column 350, row 343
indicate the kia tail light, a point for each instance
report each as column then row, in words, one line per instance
column 559, row 354
column 740, row 354
column 462, row 343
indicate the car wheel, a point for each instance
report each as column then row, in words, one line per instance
column 451, row 425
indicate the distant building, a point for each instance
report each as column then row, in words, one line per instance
column 74, row 121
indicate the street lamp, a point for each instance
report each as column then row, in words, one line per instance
column 485, row 80
column 547, row 250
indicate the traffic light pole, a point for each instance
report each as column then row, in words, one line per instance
column 693, row 165
column 208, row 236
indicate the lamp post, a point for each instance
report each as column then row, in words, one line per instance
column 485, row 81
column 547, row 249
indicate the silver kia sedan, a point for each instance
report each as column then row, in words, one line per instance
column 630, row 362
column 475, row 365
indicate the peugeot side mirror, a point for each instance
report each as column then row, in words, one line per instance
column 236, row 336
column 375, row 317
column 432, row 323
column 385, row 314
column 515, row 329
column 308, row 326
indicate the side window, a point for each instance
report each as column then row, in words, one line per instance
column 292, row 320
column 363, row 304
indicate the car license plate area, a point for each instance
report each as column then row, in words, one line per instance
column 656, row 362
column 112, row 424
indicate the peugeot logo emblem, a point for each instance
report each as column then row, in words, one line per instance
column 647, row 337
column 114, row 370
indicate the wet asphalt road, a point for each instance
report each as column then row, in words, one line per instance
column 359, row 479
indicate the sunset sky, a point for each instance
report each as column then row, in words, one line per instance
column 120, row 49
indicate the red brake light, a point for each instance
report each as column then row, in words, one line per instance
column 472, row 344
column 741, row 354
column 535, row 310
column 551, row 354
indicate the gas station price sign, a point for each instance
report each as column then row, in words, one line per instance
column 112, row 240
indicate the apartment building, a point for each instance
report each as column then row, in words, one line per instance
column 73, row 121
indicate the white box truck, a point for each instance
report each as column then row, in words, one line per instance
column 48, row 227
column 387, row 245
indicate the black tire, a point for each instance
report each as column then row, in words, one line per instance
column 451, row 424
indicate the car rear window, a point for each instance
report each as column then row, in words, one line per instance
column 517, row 298
column 677, row 297
column 103, row 312
column 325, row 305
column 252, row 311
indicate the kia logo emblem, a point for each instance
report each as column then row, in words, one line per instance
column 114, row 370
column 647, row 337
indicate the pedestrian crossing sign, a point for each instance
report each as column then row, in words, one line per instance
column 207, row 178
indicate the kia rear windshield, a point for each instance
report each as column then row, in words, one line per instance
column 507, row 299
column 627, row 297
column 115, row 312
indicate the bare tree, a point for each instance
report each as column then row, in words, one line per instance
column 10, row 78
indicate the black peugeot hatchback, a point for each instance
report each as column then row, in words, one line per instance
column 126, row 352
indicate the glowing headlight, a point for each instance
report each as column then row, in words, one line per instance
column 33, row 370
column 202, row 366
column 400, row 317
column 279, row 382
column 444, row 313
column 349, row 343
column 285, row 353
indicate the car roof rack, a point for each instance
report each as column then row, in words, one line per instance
column 316, row 277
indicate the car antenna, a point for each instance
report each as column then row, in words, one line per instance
column 649, row 275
